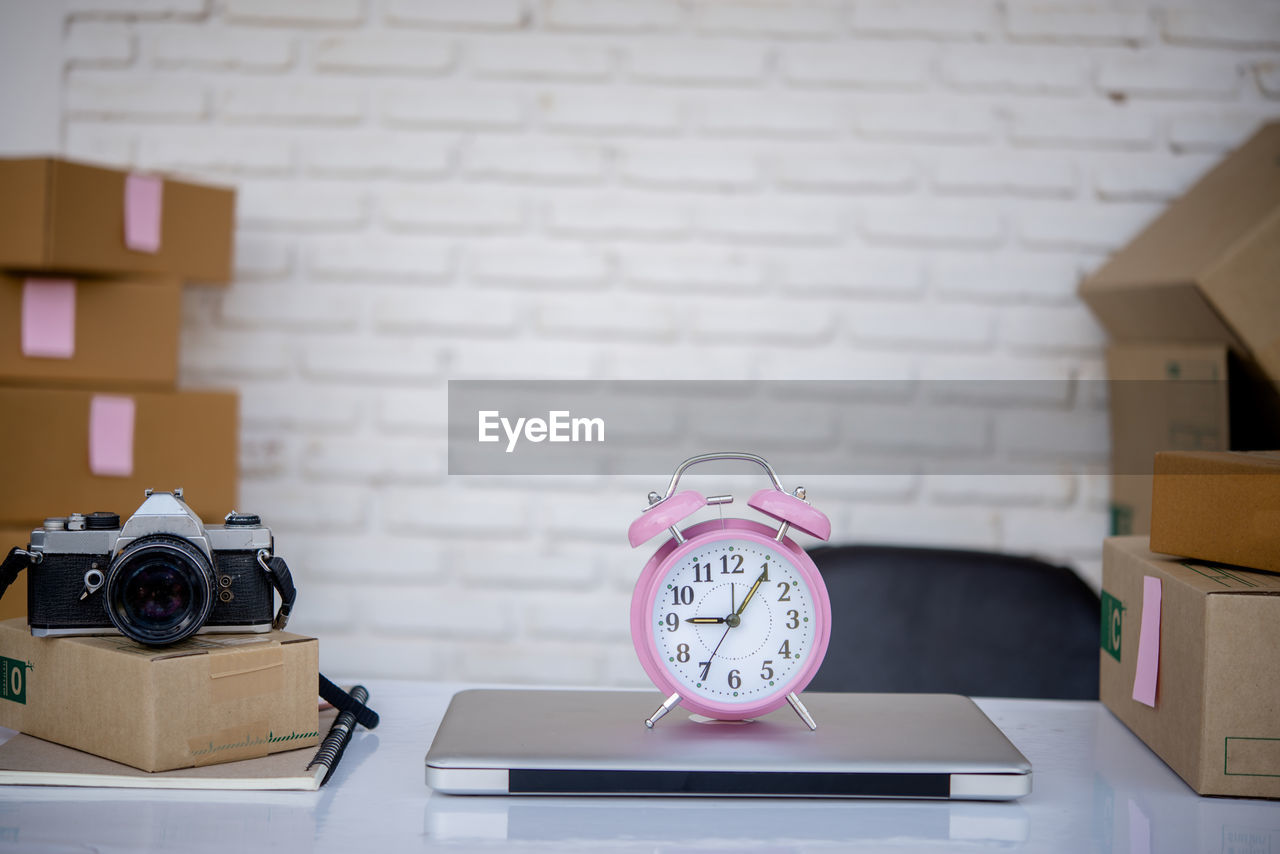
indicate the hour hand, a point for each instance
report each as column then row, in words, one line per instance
column 703, row 621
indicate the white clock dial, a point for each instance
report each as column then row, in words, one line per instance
column 734, row 621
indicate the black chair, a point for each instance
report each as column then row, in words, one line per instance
column 952, row 621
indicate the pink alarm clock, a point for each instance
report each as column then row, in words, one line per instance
column 730, row 618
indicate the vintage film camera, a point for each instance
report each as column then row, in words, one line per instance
column 160, row 577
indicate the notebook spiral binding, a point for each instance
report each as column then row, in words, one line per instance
column 339, row 736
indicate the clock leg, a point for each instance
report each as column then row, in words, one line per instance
column 801, row 710
column 667, row 705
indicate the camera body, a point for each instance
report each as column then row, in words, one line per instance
column 160, row 577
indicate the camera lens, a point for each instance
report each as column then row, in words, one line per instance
column 159, row 590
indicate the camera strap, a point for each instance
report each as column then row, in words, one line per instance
column 17, row 560
column 282, row 580
column 344, row 702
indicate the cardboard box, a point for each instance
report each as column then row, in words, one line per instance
column 186, row 438
column 1222, row 507
column 1160, row 398
column 126, row 335
column 70, row 217
column 1205, row 270
column 1215, row 720
column 1179, row 398
column 1166, row 398
column 209, row 699
column 14, row 603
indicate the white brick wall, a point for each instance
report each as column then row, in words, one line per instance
column 782, row 189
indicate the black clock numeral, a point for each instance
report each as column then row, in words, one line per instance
column 766, row 672
column 724, row 565
column 785, row 595
column 785, row 649
column 698, row 569
column 682, row 595
column 764, row 572
column 793, row 619
column 706, row 668
column 673, row 622
column 735, row 679
column 682, row 653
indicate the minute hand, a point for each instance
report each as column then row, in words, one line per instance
column 752, row 591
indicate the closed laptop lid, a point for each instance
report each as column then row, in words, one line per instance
column 595, row 742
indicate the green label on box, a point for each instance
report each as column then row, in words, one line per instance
column 1121, row 519
column 1112, row 619
column 13, row 679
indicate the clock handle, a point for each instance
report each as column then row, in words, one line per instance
column 722, row 455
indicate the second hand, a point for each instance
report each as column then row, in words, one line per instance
column 706, row 668
column 732, row 620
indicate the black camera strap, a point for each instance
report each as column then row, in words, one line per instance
column 17, row 560
column 344, row 702
column 282, row 580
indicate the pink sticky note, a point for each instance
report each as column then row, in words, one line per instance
column 111, row 435
column 1144, row 680
column 143, row 204
column 49, row 318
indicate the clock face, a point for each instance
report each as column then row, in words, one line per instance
column 734, row 620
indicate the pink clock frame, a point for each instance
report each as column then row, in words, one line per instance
column 670, row 553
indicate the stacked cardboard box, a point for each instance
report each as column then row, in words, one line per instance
column 1222, row 507
column 1189, row 642
column 206, row 700
column 1193, row 311
column 92, row 262
column 1188, row 662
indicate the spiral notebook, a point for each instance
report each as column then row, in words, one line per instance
column 29, row 761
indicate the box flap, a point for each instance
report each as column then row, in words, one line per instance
column 1176, row 313
column 1201, row 227
column 1242, row 287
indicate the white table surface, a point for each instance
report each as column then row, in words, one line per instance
column 1097, row 788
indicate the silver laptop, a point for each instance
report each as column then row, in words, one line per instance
column 538, row 742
